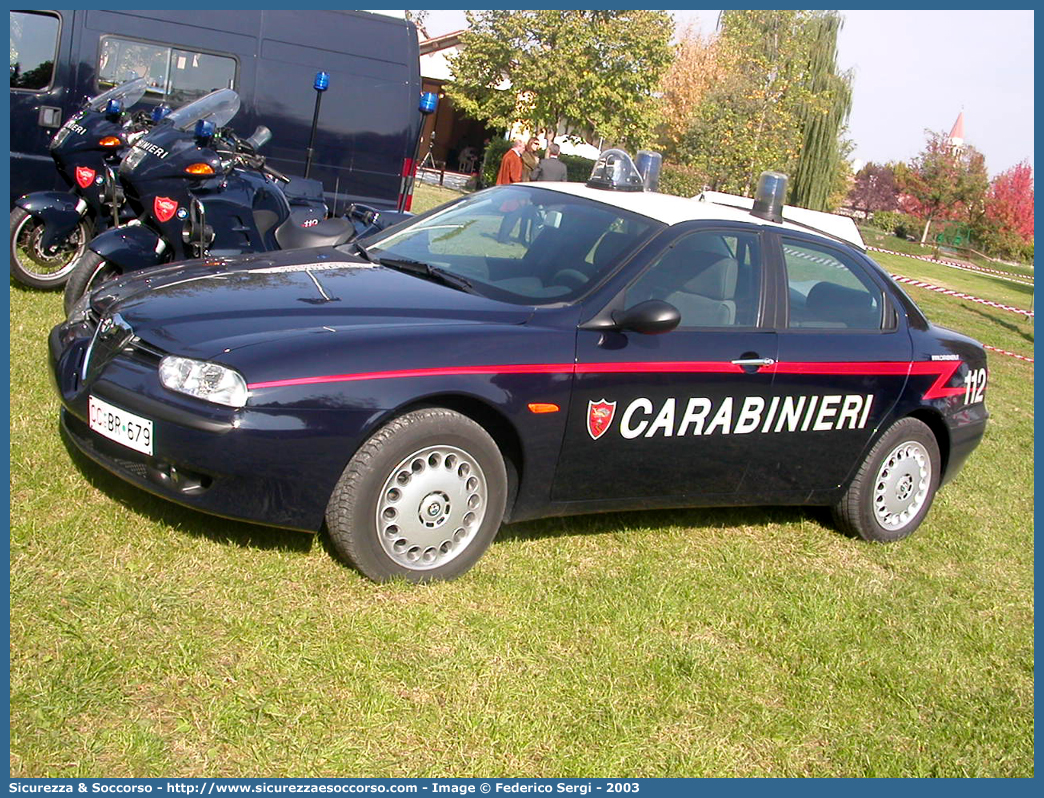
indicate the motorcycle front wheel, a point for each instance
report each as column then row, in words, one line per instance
column 88, row 272
column 30, row 264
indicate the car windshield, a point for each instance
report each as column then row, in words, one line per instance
column 218, row 107
column 520, row 243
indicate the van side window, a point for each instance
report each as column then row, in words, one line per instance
column 34, row 44
column 174, row 76
column 828, row 292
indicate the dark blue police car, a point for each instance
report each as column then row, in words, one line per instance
column 530, row 350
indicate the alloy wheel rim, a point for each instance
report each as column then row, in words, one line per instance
column 431, row 507
column 901, row 486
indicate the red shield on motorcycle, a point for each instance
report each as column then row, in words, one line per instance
column 164, row 208
column 84, row 176
column 599, row 417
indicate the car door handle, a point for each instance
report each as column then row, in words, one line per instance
column 753, row 361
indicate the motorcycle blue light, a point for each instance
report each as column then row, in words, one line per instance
column 204, row 129
column 428, row 102
column 113, row 108
column 159, row 112
column 322, row 81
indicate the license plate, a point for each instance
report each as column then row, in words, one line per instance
column 118, row 425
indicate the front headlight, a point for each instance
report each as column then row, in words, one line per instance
column 211, row 382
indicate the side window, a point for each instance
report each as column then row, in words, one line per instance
column 175, row 76
column 713, row 278
column 827, row 292
column 34, row 46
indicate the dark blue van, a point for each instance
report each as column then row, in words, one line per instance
column 369, row 121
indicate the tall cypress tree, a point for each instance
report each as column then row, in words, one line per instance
column 823, row 118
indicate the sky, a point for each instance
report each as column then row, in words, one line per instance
column 915, row 71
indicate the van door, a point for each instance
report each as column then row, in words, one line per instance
column 41, row 73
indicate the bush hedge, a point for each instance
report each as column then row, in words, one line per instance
column 898, row 224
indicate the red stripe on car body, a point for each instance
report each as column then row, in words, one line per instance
column 942, row 369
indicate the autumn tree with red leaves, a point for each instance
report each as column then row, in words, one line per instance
column 1005, row 226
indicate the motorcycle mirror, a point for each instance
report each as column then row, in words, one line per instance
column 259, row 138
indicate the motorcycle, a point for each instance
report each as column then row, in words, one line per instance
column 202, row 191
column 49, row 229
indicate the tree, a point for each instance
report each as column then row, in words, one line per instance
column 1005, row 226
column 822, row 115
column 1009, row 202
column 874, row 189
column 779, row 95
column 582, row 69
column 945, row 178
column 693, row 74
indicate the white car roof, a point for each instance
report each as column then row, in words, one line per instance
column 712, row 206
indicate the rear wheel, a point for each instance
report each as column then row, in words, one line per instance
column 894, row 487
column 88, row 272
column 422, row 499
column 31, row 265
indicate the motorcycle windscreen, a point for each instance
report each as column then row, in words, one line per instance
column 218, row 107
column 127, row 93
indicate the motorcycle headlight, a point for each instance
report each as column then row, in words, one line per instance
column 210, row 382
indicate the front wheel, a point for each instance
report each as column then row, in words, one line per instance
column 894, row 487
column 31, row 265
column 88, row 272
column 422, row 499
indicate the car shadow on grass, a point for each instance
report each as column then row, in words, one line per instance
column 185, row 519
column 1007, row 325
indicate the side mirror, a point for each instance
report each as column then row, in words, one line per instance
column 651, row 317
column 259, row 138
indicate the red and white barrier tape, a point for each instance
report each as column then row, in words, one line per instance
column 967, row 267
column 1006, row 352
column 961, row 295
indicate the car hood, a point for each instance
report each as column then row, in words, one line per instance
column 202, row 308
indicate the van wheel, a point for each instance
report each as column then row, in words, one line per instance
column 422, row 499
column 33, row 267
column 894, row 487
column 88, row 272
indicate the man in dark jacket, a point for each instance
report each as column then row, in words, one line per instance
column 551, row 168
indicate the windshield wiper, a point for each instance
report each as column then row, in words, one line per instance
column 363, row 251
column 422, row 269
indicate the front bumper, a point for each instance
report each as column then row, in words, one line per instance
column 272, row 466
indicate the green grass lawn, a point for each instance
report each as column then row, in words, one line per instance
column 150, row 640
column 877, row 238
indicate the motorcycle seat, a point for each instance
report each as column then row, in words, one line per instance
column 303, row 229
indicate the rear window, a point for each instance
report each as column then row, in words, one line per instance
column 34, row 46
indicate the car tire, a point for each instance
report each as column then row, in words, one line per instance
column 421, row 500
column 29, row 265
column 89, row 271
column 894, row 487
